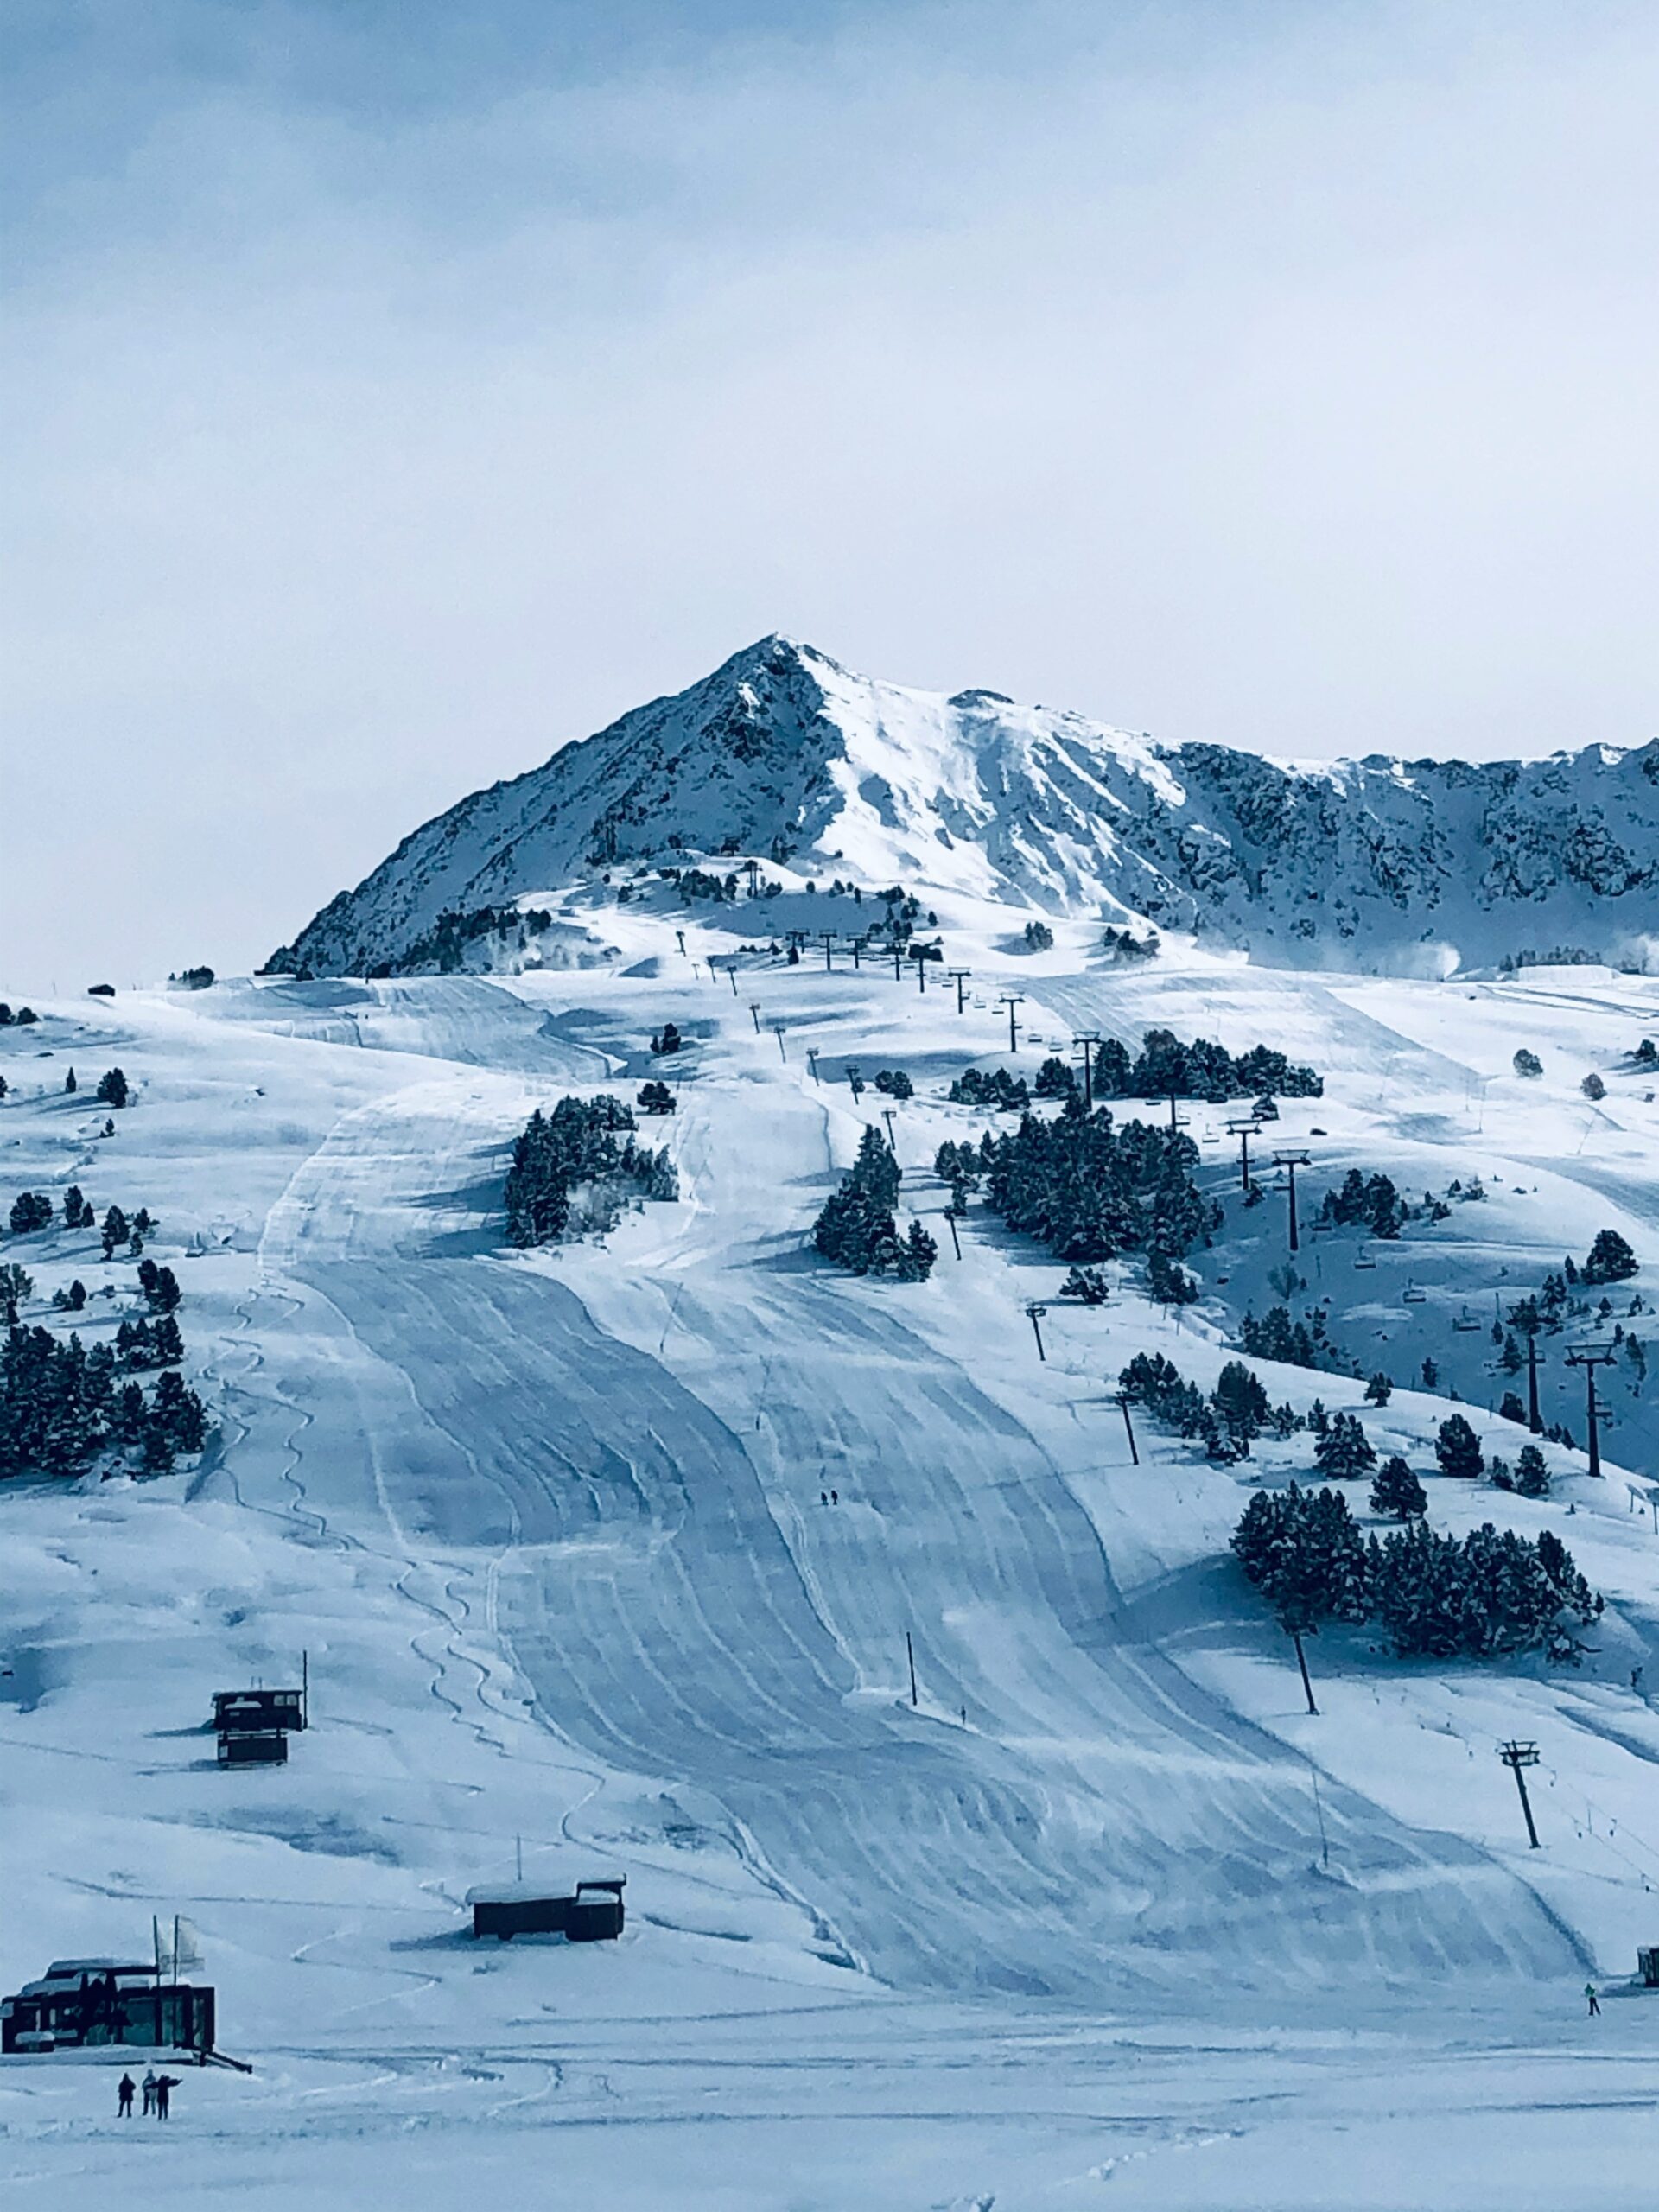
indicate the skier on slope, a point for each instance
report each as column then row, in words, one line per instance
column 1595, row 2002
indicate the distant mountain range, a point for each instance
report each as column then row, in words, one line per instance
column 1421, row 866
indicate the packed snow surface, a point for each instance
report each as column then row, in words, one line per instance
column 1102, row 1912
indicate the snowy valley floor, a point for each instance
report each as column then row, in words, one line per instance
column 1104, row 1915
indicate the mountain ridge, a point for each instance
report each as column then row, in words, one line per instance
column 781, row 753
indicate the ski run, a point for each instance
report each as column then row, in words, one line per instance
column 1098, row 1913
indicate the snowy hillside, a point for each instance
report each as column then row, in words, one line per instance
column 1098, row 1900
column 1419, row 867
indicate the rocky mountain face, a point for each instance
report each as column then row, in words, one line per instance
column 1423, row 865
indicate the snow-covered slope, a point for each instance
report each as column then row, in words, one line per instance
column 1420, row 867
column 1100, row 1901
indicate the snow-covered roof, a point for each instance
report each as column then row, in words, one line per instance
column 551, row 1886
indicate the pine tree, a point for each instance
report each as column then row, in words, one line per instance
column 116, row 1231
column 1611, row 1259
column 112, row 1088
column 1531, row 1472
column 1397, row 1491
column 69, row 1081
column 1345, row 1451
column 1379, row 1390
column 1457, row 1449
column 1241, row 1402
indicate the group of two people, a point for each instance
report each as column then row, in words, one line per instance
column 158, row 2088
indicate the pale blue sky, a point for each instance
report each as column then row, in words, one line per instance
column 397, row 390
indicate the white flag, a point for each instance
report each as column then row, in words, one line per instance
column 186, row 1948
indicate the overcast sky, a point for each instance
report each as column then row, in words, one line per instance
column 396, row 390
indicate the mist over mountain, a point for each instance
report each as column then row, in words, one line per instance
column 1422, row 867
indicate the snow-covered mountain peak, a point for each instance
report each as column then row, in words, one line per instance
column 782, row 753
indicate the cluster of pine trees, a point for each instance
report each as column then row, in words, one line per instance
column 1368, row 1202
column 1225, row 1423
column 24, row 1016
column 1294, row 1343
column 1005, row 1093
column 1488, row 1593
column 1166, row 1068
column 63, row 1406
column 143, row 1345
column 575, row 1148
column 1087, row 1187
column 857, row 1229
column 32, row 1212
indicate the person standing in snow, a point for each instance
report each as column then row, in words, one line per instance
column 149, row 2091
column 163, row 2090
column 123, row 2096
column 1595, row 2002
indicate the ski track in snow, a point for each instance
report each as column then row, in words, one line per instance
column 648, row 1594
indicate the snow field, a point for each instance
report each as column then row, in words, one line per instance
column 549, row 1528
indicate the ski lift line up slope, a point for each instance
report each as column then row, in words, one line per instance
column 649, row 1595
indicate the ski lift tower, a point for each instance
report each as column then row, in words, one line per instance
column 1244, row 1131
column 1515, row 1757
column 1086, row 1041
column 1290, row 1161
column 1590, row 1357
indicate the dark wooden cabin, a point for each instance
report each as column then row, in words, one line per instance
column 252, row 1712
column 254, row 1747
column 593, row 1914
column 83, row 2003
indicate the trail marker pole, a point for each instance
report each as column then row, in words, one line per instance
column 1244, row 1131
column 956, row 1240
column 1319, row 1807
column 897, row 962
column 921, row 975
column 827, row 937
column 732, row 972
column 1514, row 1757
column 1017, row 998
column 1295, row 1635
column 812, row 1062
column 778, row 1032
column 1035, row 1313
column 755, row 1012
column 1121, row 1399
column 681, row 935
column 910, row 1654
column 854, row 942
column 1590, row 1357
column 959, row 976
column 1291, row 1161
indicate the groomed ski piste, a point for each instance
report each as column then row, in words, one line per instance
column 1105, row 1915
